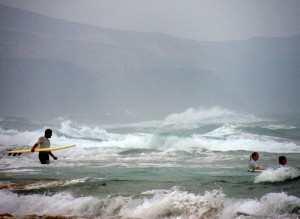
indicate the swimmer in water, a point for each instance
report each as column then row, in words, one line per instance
column 253, row 166
column 282, row 161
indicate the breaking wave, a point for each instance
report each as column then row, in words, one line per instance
column 156, row 204
column 277, row 175
column 193, row 118
column 195, row 130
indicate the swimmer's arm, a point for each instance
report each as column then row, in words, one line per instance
column 259, row 168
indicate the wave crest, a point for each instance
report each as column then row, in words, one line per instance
column 192, row 118
column 69, row 129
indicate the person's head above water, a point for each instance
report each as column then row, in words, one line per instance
column 254, row 156
column 48, row 133
column 282, row 160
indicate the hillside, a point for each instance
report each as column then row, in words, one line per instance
column 51, row 67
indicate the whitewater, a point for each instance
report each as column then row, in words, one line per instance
column 191, row 164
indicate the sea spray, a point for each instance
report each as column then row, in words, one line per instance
column 271, row 205
column 277, row 175
column 177, row 203
column 193, row 118
column 161, row 205
column 71, row 130
column 58, row 204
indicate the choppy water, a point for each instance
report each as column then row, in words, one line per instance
column 189, row 165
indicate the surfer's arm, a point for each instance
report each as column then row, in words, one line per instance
column 39, row 141
column 34, row 146
column 52, row 155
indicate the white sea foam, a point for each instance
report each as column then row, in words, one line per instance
column 156, row 204
column 167, row 205
column 177, row 204
column 192, row 118
column 58, row 204
column 164, row 147
column 221, row 140
column 97, row 144
column 68, row 128
column 271, row 205
column 249, row 142
column 277, row 175
column 15, row 137
column 223, row 131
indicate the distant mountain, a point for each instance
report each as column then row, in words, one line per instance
column 50, row 67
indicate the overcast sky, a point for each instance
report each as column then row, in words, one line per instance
column 196, row 19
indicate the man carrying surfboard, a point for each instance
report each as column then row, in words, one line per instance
column 43, row 142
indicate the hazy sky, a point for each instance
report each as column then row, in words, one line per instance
column 196, row 19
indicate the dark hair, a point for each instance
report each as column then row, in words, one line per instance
column 254, row 154
column 48, row 131
column 282, row 160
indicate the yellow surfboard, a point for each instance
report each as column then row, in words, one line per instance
column 28, row 149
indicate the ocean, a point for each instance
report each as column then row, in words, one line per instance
column 188, row 165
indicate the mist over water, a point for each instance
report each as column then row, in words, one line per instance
column 190, row 164
column 126, row 93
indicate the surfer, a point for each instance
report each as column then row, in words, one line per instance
column 43, row 142
column 282, row 161
column 253, row 166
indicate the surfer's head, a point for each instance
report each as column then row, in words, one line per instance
column 254, row 156
column 48, row 133
column 282, row 160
